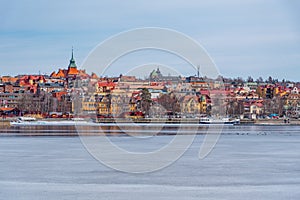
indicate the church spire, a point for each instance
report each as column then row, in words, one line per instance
column 72, row 61
column 72, row 53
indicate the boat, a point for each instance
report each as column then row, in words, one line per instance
column 220, row 121
column 24, row 121
column 31, row 121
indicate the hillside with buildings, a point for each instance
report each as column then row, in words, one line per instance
column 72, row 91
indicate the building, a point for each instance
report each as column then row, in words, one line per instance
column 292, row 104
column 156, row 76
column 189, row 105
column 72, row 75
column 10, row 100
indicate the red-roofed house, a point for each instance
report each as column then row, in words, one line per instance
column 105, row 86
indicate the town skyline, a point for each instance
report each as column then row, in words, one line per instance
column 151, row 67
column 72, row 91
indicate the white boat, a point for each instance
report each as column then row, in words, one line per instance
column 24, row 121
column 31, row 121
column 225, row 120
column 27, row 119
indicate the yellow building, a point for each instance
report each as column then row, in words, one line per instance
column 89, row 104
column 203, row 104
column 190, row 105
column 112, row 105
column 293, row 102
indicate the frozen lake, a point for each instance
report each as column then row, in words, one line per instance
column 253, row 162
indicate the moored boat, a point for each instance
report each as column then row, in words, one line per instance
column 31, row 121
column 215, row 121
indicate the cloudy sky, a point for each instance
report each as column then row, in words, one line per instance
column 250, row 37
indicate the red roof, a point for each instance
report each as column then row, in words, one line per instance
column 107, row 84
column 94, row 76
column 8, row 79
column 204, row 92
column 72, row 71
column 58, row 95
column 6, row 109
column 259, row 104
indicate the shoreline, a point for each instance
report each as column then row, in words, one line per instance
column 277, row 122
column 5, row 123
column 113, row 129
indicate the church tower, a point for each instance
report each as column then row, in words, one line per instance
column 72, row 68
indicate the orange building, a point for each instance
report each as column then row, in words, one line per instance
column 71, row 72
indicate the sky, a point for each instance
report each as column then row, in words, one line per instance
column 244, row 38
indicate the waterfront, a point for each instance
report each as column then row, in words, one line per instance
column 122, row 129
column 248, row 162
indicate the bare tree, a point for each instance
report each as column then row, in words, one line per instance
column 145, row 101
column 250, row 79
column 169, row 102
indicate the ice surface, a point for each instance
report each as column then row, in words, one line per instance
column 259, row 163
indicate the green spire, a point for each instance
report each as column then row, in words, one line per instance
column 72, row 61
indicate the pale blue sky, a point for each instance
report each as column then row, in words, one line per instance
column 251, row 37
